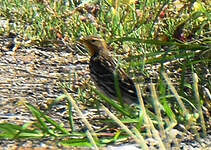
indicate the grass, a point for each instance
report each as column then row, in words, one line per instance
column 146, row 35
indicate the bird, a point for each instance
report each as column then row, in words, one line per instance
column 103, row 67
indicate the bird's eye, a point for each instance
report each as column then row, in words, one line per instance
column 93, row 41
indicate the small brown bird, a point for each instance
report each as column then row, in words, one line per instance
column 102, row 69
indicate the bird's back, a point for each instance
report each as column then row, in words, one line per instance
column 102, row 69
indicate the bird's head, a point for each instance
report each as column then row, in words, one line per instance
column 94, row 44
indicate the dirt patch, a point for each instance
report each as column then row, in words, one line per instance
column 33, row 75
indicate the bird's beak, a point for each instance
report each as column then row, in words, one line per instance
column 83, row 40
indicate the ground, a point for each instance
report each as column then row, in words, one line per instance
column 32, row 74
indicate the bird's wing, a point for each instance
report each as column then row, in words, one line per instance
column 102, row 72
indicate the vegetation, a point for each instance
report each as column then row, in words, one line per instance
column 167, row 42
